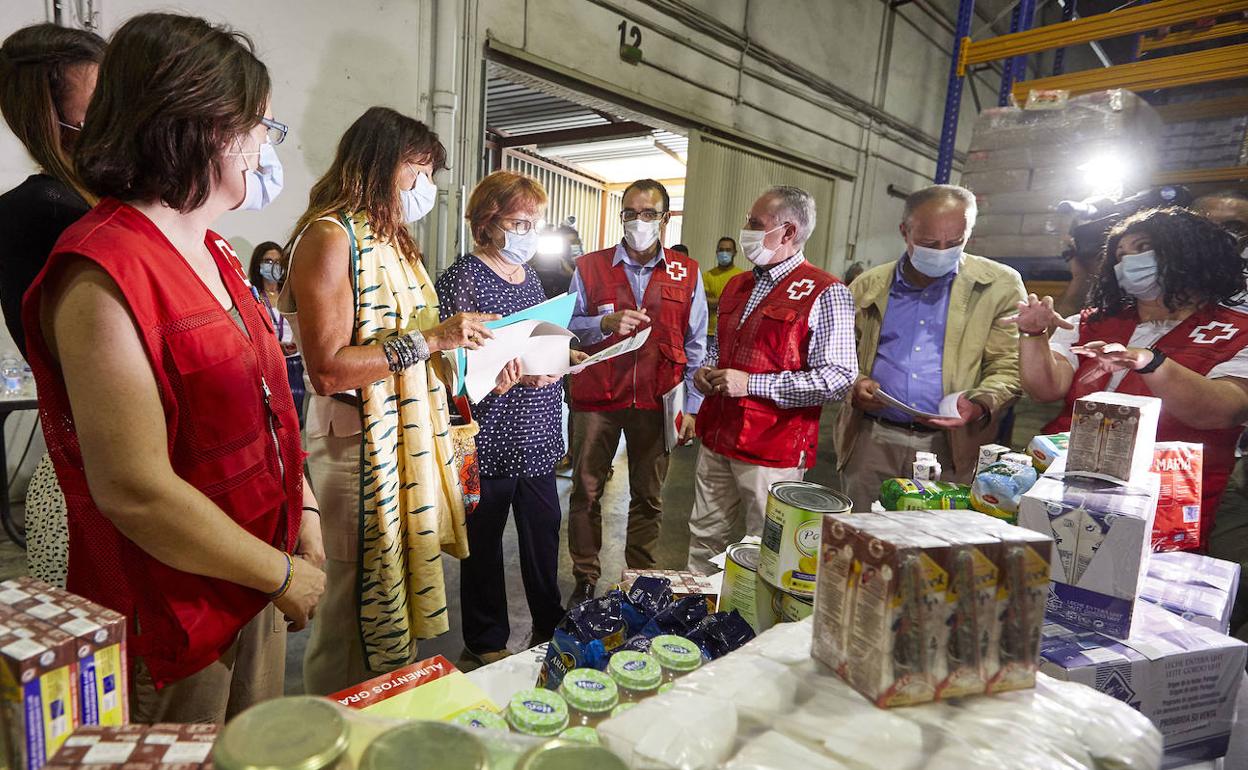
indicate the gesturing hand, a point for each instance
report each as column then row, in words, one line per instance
column 464, row 330
column 1037, row 316
column 1110, row 357
column 624, row 322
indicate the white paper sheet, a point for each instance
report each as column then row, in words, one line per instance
column 948, row 406
column 626, row 345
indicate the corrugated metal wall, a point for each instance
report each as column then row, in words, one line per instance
column 570, row 195
column 725, row 179
column 614, row 230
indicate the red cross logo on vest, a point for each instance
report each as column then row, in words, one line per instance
column 801, row 289
column 1214, row 331
column 677, row 271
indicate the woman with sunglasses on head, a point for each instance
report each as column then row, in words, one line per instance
column 520, row 438
column 161, row 383
column 47, row 76
column 380, row 454
column 267, row 274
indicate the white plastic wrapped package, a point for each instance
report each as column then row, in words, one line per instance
column 680, row 729
column 761, row 689
column 773, row 749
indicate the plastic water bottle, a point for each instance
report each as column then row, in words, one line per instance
column 11, row 372
column 28, row 381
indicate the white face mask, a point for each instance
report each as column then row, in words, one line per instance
column 641, row 235
column 935, row 263
column 263, row 184
column 752, row 247
column 519, row 249
column 418, row 201
column 1137, row 275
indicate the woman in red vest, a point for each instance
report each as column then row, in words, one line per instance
column 1162, row 321
column 162, row 385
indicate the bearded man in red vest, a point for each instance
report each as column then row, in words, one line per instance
column 785, row 348
column 621, row 291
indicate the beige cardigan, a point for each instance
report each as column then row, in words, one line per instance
column 980, row 355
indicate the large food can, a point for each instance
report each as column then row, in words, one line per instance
column 744, row 592
column 790, row 553
column 794, row 608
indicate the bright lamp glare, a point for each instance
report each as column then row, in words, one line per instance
column 1105, row 173
column 551, row 244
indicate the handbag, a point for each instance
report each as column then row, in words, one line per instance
column 464, row 431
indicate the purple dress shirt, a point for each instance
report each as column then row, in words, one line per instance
column 908, row 363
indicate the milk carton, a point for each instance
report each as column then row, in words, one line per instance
column 1199, row 588
column 1112, row 436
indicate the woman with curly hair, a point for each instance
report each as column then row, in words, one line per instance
column 1164, row 320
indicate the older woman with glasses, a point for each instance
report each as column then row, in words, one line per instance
column 520, row 440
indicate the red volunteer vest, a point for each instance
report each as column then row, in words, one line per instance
column 639, row 379
column 1205, row 339
column 774, row 338
column 226, row 438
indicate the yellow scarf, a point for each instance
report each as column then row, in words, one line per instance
column 411, row 502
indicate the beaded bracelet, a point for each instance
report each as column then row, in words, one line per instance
column 290, row 575
column 405, row 351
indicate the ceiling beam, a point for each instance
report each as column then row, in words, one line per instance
column 589, row 134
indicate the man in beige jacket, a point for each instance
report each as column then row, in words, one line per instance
column 927, row 328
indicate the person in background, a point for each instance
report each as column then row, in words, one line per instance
column 267, row 273
column 47, row 76
column 853, row 271
column 365, row 317
column 927, row 328
column 715, row 280
column 1229, row 210
column 634, row 285
column 681, row 248
column 786, row 348
column 520, row 438
column 555, row 270
column 181, row 464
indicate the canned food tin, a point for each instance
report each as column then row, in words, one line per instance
column 790, row 553
column 744, row 592
column 569, row 755
column 794, row 608
column 313, row 732
column 426, row 746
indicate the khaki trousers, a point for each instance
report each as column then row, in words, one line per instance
column 595, row 439
column 883, row 452
column 251, row 671
column 724, row 490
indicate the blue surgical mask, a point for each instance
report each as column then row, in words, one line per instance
column 935, row 263
column 418, row 201
column 271, row 271
column 1137, row 275
column 723, row 258
column 519, row 249
column 264, row 184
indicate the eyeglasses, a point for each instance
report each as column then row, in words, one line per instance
column 648, row 215
column 520, row 226
column 274, row 131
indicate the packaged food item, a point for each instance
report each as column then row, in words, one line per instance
column 538, row 712
column 926, row 466
column 1198, row 588
column 590, row 695
column 989, row 454
column 683, row 583
column 911, row 495
column 38, row 691
column 999, row 487
column 1046, row 450
column 586, row 735
column 138, row 747
column 721, row 633
column 482, row 719
column 794, row 608
column 1102, row 533
column 650, row 594
column 744, row 591
column 570, row 755
column 681, row 617
column 1112, row 436
column 1177, row 526
column 1024, row 581
column 314, row 734
column 587, row 636
column 426, row 746
column 430, row 689
column 790, row 548
column 637, row 674
column 676, row 655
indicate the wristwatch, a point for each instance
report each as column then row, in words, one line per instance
column 1159, row 358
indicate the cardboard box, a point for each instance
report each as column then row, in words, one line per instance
column 138, row 747
column 38, row 692
column 1102, row 533
column 103, row 688
column 683, row 583
column 430, row 689
column 1199, row 588
column 1112, row 436
column 1182, row 676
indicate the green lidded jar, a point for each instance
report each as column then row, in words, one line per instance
column 676, row 654
column 567, row 755
column 538, row 712
column 426, row 746
column 314, row 736
column 638, row 674
column 590, row 695
column 587, row 735
column 482, row 719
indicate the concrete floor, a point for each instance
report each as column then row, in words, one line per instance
column 673, row 540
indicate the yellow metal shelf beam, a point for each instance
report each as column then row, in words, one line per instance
column 1223, row 107
column 1197, row 175
column 1163, row 13
column 1188, row 37
column 1185, row 69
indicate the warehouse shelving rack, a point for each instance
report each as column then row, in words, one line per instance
column 1221, row 63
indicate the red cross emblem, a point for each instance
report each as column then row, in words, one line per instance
column 1214, row 331
column 801, row 289
column 677, row 271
